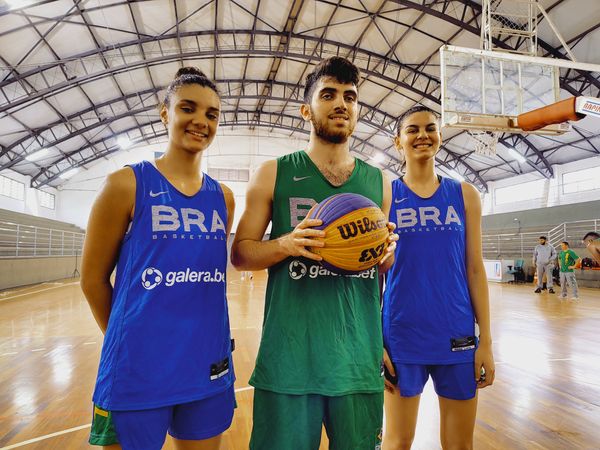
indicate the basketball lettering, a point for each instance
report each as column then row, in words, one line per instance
column 363, row 225
column 372, row 253
column 348, row 230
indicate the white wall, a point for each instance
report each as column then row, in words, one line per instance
column 553, row 192
column 31, row 203
column 227, row 151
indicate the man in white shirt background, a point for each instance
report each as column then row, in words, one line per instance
column 544, row 259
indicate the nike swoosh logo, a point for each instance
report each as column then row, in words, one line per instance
column 401, row 200
column 156, row 194
column 301, row 178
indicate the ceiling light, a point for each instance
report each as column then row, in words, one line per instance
column 69, row 173
column 457, row 176
column 378, row 157
column 516, row 155
column 124, row 142
column 38, row 155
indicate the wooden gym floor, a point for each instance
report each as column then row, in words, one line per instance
column 546, row 395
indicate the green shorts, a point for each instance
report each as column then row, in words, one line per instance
column 294, row 422
column 103, row 429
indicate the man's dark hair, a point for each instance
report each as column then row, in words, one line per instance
column 336, row 67
column 566, row 243
column 543, row 237
column 413, row 110
column 591, row 234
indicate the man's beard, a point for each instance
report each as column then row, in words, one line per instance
column 326, row 134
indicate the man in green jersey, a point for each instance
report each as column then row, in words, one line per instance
column 319, row 360
column 568, row 260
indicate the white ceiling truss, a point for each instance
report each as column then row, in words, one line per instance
column 77, row 74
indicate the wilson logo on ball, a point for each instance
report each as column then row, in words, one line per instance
column 362, row 226
column 355, row 233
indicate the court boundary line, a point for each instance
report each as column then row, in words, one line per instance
column 71, row 430
column 47, row 436
column 35, row 292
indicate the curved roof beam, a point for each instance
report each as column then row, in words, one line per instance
column 369, row 62
column 375, row 118
column 65, row 18
column 228, row 119
column 251, row 89
column 443, row 5
column 535, row 158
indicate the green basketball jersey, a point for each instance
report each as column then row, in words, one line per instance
column 321, row 331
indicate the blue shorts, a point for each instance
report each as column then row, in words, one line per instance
column 147, row 429
column 454, row 381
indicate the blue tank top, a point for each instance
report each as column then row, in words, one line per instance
column 426, row 299
column 168, row 339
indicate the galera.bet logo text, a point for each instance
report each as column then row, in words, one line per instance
column 297, row 270
column 152, row 277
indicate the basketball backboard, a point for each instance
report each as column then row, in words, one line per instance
column 485, row 90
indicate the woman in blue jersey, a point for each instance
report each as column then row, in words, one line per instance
column 435, row 293
column 166, row 359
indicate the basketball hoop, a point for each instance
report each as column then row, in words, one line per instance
column 484, row 142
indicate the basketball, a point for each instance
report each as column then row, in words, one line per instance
column 355, row 233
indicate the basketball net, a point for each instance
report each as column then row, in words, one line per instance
column 484, row 142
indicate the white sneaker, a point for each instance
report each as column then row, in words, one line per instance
column 575, row 298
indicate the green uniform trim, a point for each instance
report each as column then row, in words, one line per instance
column 567, row 258
column 321, row 331
column 103, row 429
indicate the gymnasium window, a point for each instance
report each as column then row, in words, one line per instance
column 12, row 188
column 46, row 199
column 531, row 190
column 581, row 180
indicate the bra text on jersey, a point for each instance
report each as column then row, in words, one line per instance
column 167, row 218
column 409, row 217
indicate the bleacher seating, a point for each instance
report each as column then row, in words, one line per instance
column 24, row 235
column 36, row 221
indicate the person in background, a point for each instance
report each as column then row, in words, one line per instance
column 568, row 260
column 543, row 261
column 592, row 243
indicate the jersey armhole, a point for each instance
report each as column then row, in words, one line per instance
column 381, row 183
column 138, row 203
column 461, row 197
column 275, row 190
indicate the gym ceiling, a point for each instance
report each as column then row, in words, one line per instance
column 78, row 75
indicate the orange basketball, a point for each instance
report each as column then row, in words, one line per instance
column 355, row 233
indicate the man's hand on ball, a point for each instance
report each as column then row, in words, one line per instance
column 303, row 236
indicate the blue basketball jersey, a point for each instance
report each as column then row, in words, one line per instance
column 426, row 300
column 168, row 339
